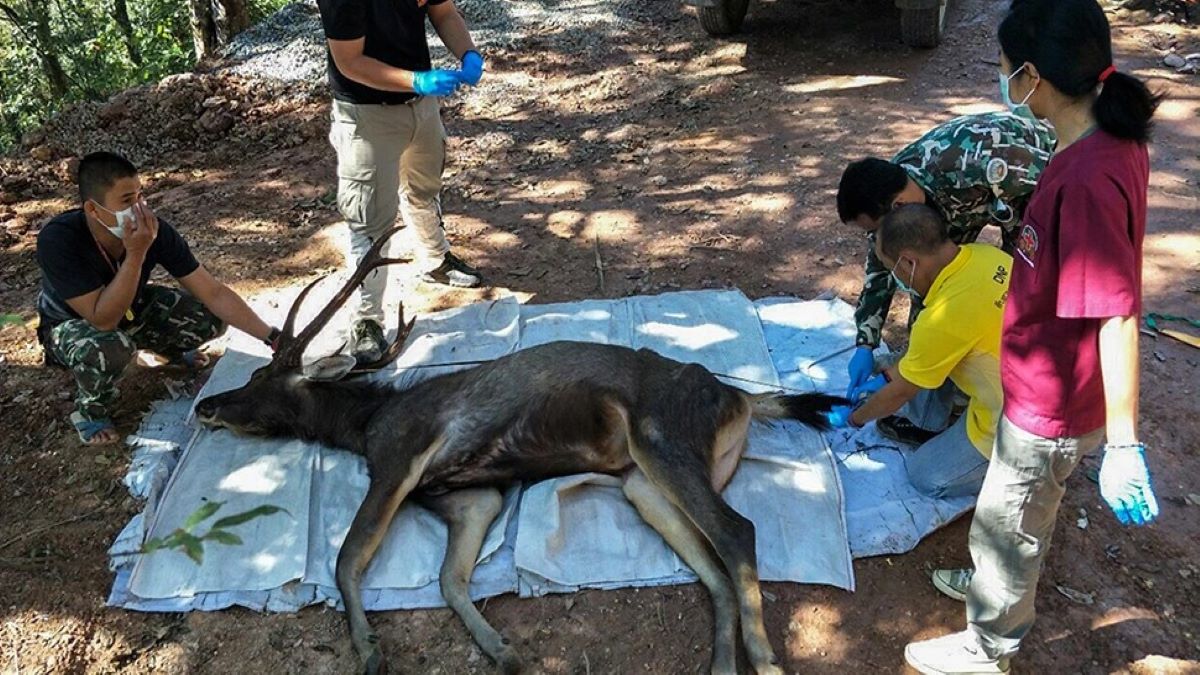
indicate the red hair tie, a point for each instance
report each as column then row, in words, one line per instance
column 1107, row 71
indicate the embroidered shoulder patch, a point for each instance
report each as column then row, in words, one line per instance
column 997, row 170
column 1027, row 244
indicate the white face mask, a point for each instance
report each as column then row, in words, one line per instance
column 912, row 276
column 124, row 218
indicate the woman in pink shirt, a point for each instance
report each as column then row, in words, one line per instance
column 1069, row 350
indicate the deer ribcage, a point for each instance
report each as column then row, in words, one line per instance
column 569, row 430
column 531, row 416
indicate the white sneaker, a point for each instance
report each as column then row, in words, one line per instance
column 955, row 654
column 953, row 583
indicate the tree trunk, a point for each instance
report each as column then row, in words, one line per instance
column 121, row 16
column 215, row 22
column 204, row 29
column 41, row 40
column 235, row 18
column 47, row 51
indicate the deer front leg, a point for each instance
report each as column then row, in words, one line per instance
column 366, row 532
column 468, row 515
column 388, row 490
column 683, row 537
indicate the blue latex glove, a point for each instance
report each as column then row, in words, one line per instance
column 472, row 67
column 866, row 389
column 862, row 364
column 1125, row 484
column 436, row 82
column 839, row 416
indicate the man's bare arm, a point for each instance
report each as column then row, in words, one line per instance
column 449, row 24
column 351, row 62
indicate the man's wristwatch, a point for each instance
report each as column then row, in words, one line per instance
column 272, row 340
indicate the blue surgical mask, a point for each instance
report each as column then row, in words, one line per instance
column 900, row 283
column 1021, row 108
column 124, row 218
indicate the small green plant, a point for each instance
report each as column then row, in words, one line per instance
column 184, row 539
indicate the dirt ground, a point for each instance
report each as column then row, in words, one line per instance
column 687, row 163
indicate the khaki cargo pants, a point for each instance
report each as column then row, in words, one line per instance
column 1010, row 535
column 390, row 157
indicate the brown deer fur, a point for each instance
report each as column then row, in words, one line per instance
column 672, row 431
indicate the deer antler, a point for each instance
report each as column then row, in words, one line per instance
column 292, row 348
column 288, row 333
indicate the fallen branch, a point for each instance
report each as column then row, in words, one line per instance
column 51, row 526
column 599, row 261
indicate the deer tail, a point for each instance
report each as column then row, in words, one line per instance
column 806, row 408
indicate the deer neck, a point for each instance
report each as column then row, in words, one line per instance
column 338, row 413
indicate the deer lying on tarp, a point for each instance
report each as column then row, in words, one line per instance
column 672, row 431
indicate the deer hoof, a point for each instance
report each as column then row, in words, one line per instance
column 508, row 662
column 374, row 664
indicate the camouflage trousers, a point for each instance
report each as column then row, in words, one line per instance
column 169, row 323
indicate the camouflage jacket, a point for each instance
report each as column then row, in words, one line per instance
column 976, row 170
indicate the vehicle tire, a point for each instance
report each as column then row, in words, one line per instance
column 922, row 28
column 724, row 19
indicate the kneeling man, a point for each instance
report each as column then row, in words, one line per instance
column 96, row 308
column 956, row 337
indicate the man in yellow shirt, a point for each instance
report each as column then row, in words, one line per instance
column 956, row 337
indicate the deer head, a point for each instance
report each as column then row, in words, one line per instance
column 270, row 403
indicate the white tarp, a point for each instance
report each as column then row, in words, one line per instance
column 552, row 536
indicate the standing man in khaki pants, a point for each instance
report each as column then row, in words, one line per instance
column 387, row 131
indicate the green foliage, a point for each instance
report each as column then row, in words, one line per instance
column 184, row 539
column 95, row 57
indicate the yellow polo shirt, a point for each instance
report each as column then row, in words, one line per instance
column 957, row 336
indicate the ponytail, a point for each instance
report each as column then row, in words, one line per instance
column 1070, row 43
column 1125, row 107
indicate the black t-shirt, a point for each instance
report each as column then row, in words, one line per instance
column 394, row 32
column 72, row 264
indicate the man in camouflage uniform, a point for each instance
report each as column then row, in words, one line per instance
column 975, row 170
column 96, row 308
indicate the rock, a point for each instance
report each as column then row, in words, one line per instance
column 178, row 79
column 1174, row 61
column 216, row 122
column 42, row 153
column 113, row 111
column 68, row 168
column 35, row 137
column 16, row 226
column 212, row 102
column 181, row 128
column 15, row 183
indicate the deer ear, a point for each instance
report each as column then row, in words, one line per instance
column 329, row 368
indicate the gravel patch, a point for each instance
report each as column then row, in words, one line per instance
column 289, row 45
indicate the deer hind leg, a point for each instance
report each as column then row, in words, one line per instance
column 693, row 548
column 468, row 514
column 679, row 472
column 384, row 496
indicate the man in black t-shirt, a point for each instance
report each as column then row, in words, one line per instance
column 95, row 307
column 387, row 131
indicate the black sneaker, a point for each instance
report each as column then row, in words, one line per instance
column 367, row 342
column 901, row 430
column 453, row 272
